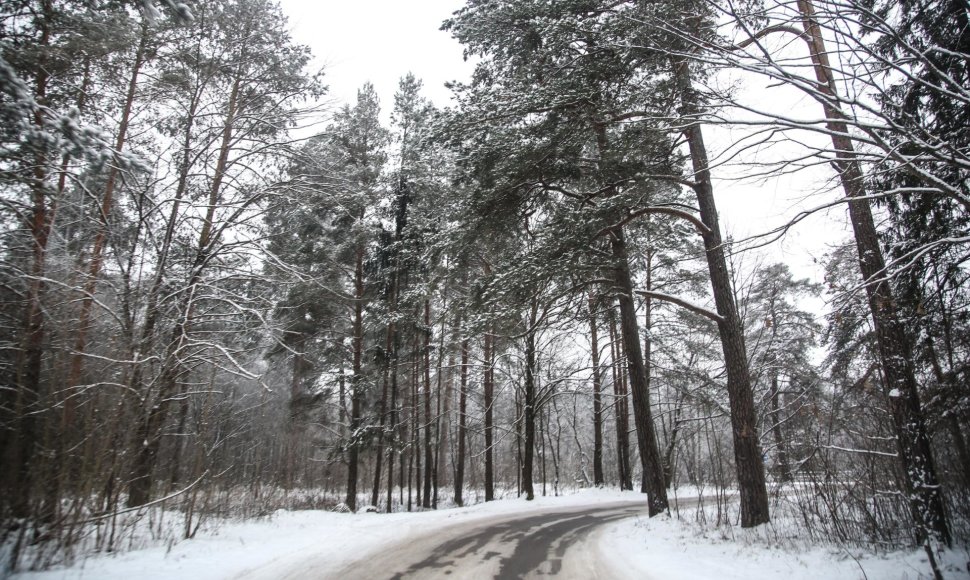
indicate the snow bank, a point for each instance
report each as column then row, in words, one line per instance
column 665, row 548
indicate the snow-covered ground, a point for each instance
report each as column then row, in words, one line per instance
column 664, row 548
column 659, row 548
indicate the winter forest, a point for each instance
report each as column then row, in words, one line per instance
column 222, row 294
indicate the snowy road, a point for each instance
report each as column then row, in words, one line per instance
column 554, row 542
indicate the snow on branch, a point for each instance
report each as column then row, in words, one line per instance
column 695, row 308
column 863, row 451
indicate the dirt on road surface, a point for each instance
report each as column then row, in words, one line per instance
column 555, row 542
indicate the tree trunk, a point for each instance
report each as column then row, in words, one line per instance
column 648, row 347
column 444, row 428
column 462, row 425
column 646, row 436
column 393, row 430
column 148, row 434
column 784, row 469
column 64, row 461
column 895, row 350
column 747, row 451
column 597, row 397
column 619, row 408
column 428, row 420
column 530, row 404
column 30, row 359
column 379, row 452
column 183, row 413
column 416, row 415
column 488, row 387
column 671, row 447
column 356, row 386
column 518, row 442
column 342, row 396
column 379, row 449
column 412, row 438
column 652, row 482
column 97, row 251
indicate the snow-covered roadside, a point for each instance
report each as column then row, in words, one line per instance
column 664, row 548
column 660, row 548
column 236, row 549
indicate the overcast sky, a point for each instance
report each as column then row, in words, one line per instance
column 380, row 41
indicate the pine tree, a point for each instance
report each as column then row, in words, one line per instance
column 357, row 143
column 780, row 337
column 254, row 85
column 49, row 54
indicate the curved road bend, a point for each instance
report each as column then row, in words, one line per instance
column 560, row 542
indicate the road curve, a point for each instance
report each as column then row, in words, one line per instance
column 558, row 542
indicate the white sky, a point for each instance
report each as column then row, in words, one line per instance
column 356, row 41
column 380, row 41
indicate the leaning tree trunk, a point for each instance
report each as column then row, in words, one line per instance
column 747, row 451
column 630, row 333
column 153, row 311
column 66, row 462
column 148, row 437
column 895, row 351
column 97, row 250
column 652, row 482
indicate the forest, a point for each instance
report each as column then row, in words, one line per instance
column 221, row 296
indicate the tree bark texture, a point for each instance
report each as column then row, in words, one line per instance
column 488, row 387
column 597, row 397
column 630, row 333
column 356, row 386
column 428, row 419
column 620, row 411
column 529, row 410
column 97, row 250
column 747, row 451
column 148, row 434
column 895, row 350
column 462, row 425
column 20, row 453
